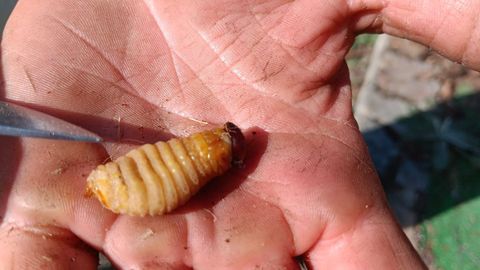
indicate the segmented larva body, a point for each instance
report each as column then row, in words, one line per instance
column 155, row 179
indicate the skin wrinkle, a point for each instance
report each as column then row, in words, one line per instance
column 201, row 69
column 129, row 93
column 439, row 28
column 87, row 72
column 386, row 21
column 338, row 91
column 307, row 137
column 294, row 251
column 284, row 219
column 309, row 93
column 188, row 255
column 276, row 40
column 338, row 24
column 170, row 50
column 107, row 231
column 373, row 26
column 208, row 88
column 255, row 180
column 313, row 90
column 267, row 117
column 267, row 75
column 29, row 77
column 243, row 57
column 469, row 39
column 106, row 240
column 330, row 106
column 196, row 77
column 347, row 123
column 173, row 53
column 236, row 29
column 318, row 131
column 363, row 217
column 92, row 46
column 231, row 66
column 267, row 3
column 269, row 96
column 336, row 7
column 214, row 39
column 173, row 57
column 186, row 252
column 285, row 50
column 41, row 230
column 392, row 247
column 369, row 166
column 190, row 223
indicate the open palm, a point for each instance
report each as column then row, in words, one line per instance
column 137, row 72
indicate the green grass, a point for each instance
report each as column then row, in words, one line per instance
column 453, row 237
column 364, row 40
column 463, row 89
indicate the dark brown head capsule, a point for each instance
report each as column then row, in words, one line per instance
column 239, row 149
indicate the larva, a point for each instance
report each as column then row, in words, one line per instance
column 155, row 179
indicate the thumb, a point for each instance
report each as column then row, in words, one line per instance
column 449, row 27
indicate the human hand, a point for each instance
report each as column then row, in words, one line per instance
column 139, row 71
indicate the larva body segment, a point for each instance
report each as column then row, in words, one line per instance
column 155, row 179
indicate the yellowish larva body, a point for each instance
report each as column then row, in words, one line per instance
column 155, row 179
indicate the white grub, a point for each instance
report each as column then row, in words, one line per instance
column 147, row 234
column 174, row 157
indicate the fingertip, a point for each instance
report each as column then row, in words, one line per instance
column 43, row 248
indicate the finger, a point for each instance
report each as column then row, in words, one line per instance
column 375, row 242
column 450, row 27
column 35, row 194
column 43, row 247
column 240, row 232
column 49, row 188
column 43, row 206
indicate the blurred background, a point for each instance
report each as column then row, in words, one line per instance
column 419, row 114
column 6, row 7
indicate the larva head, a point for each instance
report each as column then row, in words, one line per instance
column 239, row 149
